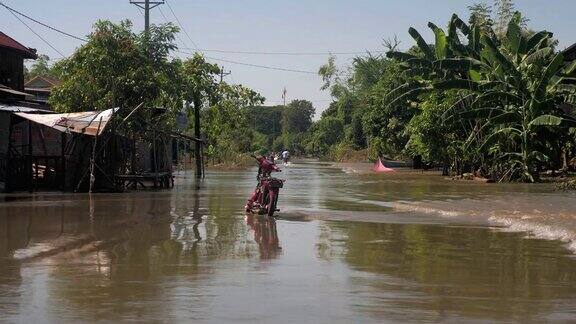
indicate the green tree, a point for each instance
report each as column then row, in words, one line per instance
column 41, row 66
column 504, row 12
column 116, row 68
column 266, row 120
column 326, row 132
column 297, row 117
column 481, row 15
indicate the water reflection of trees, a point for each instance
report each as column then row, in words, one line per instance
column 122, row 254
column 470, row 272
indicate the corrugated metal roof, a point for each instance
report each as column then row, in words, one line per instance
column 15, row 109
column 4, row 88
column 90, row 123
column 8, row 42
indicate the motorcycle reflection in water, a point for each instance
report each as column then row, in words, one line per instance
column 265, row 235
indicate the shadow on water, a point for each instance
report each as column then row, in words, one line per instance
column 191, row 253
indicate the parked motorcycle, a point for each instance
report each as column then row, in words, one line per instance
column 264, row 200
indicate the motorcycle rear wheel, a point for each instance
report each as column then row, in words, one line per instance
column 271, row 206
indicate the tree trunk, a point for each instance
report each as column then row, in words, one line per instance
column 198, row 149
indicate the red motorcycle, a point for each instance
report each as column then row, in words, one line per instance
column 264, row 199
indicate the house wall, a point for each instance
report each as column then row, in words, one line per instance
column 11, row 69
column 144, row 156
column 39, row 83
column 4, row 141
column 45, row 140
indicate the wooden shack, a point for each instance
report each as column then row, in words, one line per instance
column 12, row 56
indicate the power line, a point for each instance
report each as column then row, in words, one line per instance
column 14, row 12
column 311, row 100
column 168, row 21
column 286, row 53
column 182, row 27
column 262, row 66
column 253, row 65
column 35, row 33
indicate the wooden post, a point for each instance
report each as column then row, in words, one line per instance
column 93, row 160
column 63, row 162
column 133, row 155
column 29, row 159
column 198, row 148
column 202, row 160
column 155, row 161
column 106, row 141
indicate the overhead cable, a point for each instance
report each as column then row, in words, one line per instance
column 253, row 65
column 14, row 12
column 181, row 26
column 285, row 53
column 35, row 33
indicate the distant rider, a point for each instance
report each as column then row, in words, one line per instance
column 286, row 156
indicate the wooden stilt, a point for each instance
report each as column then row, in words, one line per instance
column 93, row 160
column 63, row 162
column 29, row 160
column 155, row 161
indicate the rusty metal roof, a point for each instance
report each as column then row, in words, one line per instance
column 15, row 109
column 90, row 123
column 9, row 42
column 4, row 88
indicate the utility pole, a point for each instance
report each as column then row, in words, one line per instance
column 223, row 74
column 147, row 5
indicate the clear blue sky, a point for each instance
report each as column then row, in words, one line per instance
column 273, row 25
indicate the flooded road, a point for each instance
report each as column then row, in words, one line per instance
column 349, row 246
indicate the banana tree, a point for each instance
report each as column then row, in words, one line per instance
column 512, row 92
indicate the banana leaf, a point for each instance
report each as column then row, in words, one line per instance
column 441, row 44
column 458, row 49
column 537, row 56
column 495, row 97
column 409, row 95
column 451, row 112
column 549, row 72
column 418, row 71
column 570, row 69
column 455, row 84
column 536, row 39
column 507, row 117
column 550, row 120
column 494, row 137
column 474, row 39
column 568, row 88
column 457, row 64
column 514, row 33
column 421, row 43
column 400, row 56
column 475, row 75
column 453, row 29
column 480, row 113
column 461, row 25
column 419, row 62
column 406, row 87
column 499, row 57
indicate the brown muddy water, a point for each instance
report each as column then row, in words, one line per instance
column 349, row 246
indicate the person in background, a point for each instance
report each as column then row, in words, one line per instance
column 286, row 156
